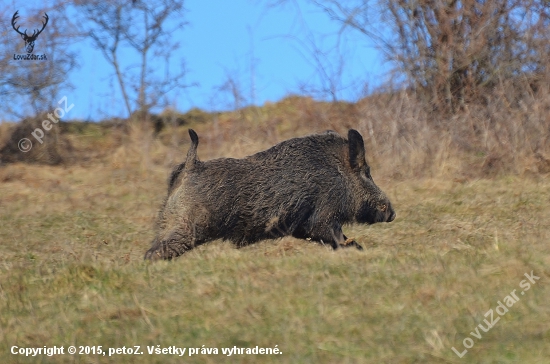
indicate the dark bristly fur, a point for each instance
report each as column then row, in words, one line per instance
column 304, row 187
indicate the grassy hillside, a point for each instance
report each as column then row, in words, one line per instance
column 73, row 237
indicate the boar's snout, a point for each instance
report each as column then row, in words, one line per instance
column 381, row 212
column 389, row 213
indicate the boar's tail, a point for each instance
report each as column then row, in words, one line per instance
column 192, row 153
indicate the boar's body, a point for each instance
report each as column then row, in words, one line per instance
column 305, row 187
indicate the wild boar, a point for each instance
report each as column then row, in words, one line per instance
column 305, row 187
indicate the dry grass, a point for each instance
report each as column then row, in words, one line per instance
column 73, row 239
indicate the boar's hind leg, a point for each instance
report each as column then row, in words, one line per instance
column 169, row 248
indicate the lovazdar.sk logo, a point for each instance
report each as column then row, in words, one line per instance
column 29, row 40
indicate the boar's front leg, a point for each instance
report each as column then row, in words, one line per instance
column 349, row 243
column 335, row 237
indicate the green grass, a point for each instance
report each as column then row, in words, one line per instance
column 71, row 273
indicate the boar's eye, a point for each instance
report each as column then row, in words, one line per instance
column 383, row 207
column 365, row 174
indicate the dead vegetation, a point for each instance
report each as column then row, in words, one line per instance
column 403, row 139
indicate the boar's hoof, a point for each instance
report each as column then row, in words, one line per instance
column 160, row 252
column 153, row 255
column 350, row 242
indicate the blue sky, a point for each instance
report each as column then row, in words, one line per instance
column 267, row 51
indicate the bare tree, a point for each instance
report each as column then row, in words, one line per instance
column 143, row 30
column 233, row 87
column 327, row 53
column 453, row 51
column 329, row 67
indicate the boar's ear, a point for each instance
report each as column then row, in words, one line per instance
column 356, row 149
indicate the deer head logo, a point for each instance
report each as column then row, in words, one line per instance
column 29, row 40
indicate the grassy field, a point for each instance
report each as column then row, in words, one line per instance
column 72, row 273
